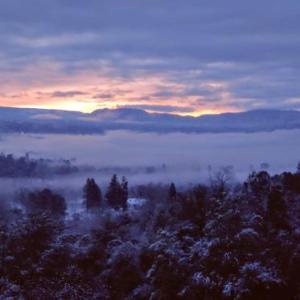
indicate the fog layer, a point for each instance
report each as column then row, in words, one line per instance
column 120, row 148
column 147, row 157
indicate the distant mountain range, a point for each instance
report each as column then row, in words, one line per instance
column 55, row 121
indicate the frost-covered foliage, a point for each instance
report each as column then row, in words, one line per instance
column 205, row 242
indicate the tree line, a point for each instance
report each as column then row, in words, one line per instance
column 116, row 195
column 24, row 166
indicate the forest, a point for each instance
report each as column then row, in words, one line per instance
column 24, row 166
column 220, row 240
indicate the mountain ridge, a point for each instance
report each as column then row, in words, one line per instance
column 74, row 122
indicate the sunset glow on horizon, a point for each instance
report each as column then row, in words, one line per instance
column 99, row 88
column 109, row 55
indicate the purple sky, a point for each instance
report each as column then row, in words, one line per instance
column 187, row 57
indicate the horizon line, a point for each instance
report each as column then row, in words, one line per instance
column 195, row 114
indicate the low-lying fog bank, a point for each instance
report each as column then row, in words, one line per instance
column 121, row 148
column 147, row 157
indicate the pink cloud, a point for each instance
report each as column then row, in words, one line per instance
column 47, row 85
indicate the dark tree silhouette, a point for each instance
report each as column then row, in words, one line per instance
column 92, row 194
column 124, row 187
column 44, row 201
column 172, row 192
column 277, row 210
column 117, row 193
column 291, row 181
column 259, row 183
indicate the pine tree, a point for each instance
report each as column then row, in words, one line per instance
column 44, row 201
column 298, row 168
column 124, row 187
column 117, row 193
column 277, row 210
column 172, row 192
column 92, row 194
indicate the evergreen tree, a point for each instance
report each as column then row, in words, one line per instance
column 172, row 192
column 277, row 210
column 117, row 193
column 92, row 194
column 124, row 187
column 259, row 183
column 44, row 201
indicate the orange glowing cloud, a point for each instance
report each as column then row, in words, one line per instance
column 48, row 85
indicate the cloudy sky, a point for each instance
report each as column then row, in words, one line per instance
column 186, row 57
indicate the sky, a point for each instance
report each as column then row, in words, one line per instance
column 184, row 57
